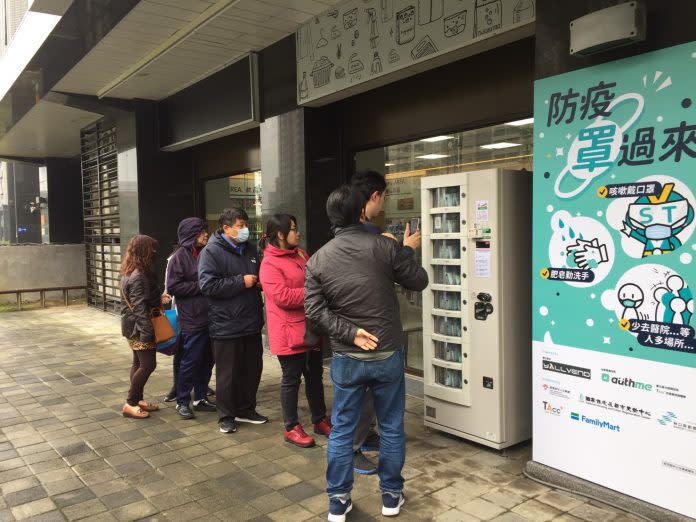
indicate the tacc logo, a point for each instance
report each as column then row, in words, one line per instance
column 551, row 409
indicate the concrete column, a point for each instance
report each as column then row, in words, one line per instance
column 283, row 167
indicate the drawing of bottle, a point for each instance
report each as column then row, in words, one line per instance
column 374, row 33
column 304, row 87
column 523, row 10
column 376, row 64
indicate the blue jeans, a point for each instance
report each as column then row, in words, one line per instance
column 351, row 378
column 196, row 366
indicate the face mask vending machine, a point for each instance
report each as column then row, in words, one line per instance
column 476, row 230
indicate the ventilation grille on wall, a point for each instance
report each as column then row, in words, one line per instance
column 101, row 213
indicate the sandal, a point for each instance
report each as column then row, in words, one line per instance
column 148, row 406
column 135, row 412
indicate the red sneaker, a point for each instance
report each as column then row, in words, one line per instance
column 323, row 427
column 298, row 437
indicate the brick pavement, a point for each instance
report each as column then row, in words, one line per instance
column 66, row 453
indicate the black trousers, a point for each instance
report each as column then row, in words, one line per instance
column 294, row 367
column 176, row 362
column 144, row 363
column 238, row 367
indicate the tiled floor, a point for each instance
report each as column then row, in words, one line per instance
column 67, row 453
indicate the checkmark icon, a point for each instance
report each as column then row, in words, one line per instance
column 602, row 192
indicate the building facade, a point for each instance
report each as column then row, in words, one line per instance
column 140, row 113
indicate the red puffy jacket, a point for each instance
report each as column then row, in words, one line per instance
column 282, row 277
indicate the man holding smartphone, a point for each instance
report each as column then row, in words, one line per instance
column 372, row 186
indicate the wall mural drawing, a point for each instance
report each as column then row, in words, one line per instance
column 393, row 56
column 303, row 89
column 523, row 9
column 455, row 24
column 423, row 48
column 430, row 11
column 374, row 32
column 406, row 25
column 386, row 10
column 489, row 16
column 355, row 65
column 321, row 72
column 376, row 64
column 350, row 18
column 395, row 34
column 322, row 42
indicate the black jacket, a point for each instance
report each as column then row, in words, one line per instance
column 233, row 310
column 182, row 278
column 143, row 294
column 350, row 284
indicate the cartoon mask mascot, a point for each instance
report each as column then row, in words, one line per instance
column 656, row 221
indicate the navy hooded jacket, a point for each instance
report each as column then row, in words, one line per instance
column 234, row 310
column 182, row 278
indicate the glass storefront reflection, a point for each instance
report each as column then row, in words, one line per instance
column 238, row 191
column 403, row 165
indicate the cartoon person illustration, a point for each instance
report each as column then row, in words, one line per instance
column 631, row 298
column 675, row 304
column 656, row 221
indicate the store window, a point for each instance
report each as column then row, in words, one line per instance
column 23, row 204
column 238, row 191
column 501, row 146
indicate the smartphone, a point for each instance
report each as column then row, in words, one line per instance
column 414, row 224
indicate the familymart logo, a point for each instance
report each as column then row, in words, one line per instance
column 597, row 423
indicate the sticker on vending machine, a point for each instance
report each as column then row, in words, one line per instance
column 481, row 210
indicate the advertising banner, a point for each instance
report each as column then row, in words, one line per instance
column 613, row 336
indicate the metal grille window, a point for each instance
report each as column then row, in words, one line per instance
column 101, row 214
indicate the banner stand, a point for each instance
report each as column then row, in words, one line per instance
column 565, row 481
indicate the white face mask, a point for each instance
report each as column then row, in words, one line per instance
column 242, row 235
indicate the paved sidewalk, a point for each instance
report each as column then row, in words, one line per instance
column 66, row 453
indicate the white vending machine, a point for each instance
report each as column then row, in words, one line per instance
column 476, row 229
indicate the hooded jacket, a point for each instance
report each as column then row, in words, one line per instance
column 233, row 310
column 350, row 285
column 182, row 278
column 282, row 277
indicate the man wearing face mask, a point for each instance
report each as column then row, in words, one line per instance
column 228, row 275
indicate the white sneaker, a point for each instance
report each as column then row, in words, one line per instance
column 392, row 505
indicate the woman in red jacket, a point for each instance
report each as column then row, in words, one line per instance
column 282, row 277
